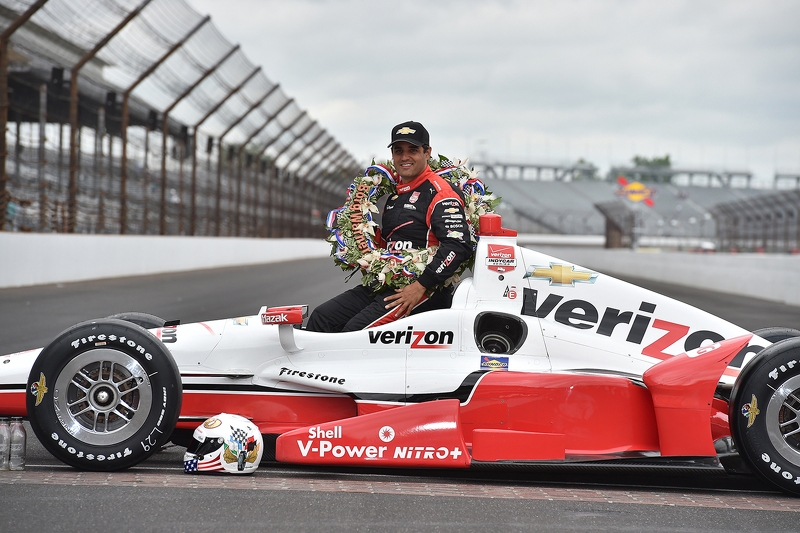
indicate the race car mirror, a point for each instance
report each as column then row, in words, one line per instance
column 290, row 314
column 285, row 318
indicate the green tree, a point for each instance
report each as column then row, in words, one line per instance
column 650, row 169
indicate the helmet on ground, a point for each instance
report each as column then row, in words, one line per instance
column 224, row 443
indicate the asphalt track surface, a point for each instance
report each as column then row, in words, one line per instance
column 157, row 496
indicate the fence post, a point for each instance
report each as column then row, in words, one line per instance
column 40, row 170
column 4, row 104
column 72, row 202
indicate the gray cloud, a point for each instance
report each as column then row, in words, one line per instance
column 536, row 79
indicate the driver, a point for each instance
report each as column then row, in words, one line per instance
column 427, row 210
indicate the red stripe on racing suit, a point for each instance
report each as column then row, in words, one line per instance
column 426, row 212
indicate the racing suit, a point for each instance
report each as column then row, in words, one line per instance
column 426, row 212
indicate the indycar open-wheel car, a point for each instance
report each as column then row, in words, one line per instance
column 537, row 360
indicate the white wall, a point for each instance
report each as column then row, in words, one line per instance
column 36, row 258
column 40, row 258
column 766, row 276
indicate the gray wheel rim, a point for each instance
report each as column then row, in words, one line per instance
column 783, row 420
column 103, row 397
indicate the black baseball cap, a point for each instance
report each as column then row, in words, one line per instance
column 410, row 132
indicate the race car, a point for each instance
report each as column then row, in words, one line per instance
column 537, row 361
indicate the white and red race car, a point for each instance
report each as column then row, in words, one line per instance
column 538, row 360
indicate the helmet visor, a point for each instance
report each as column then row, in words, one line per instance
column 204, row 448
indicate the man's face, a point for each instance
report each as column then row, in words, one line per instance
column 409, row 160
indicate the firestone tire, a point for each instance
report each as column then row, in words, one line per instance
column 146, row 320
column 776, row 334
column 105, row 395
column 765, row 415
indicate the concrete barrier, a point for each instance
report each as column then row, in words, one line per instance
column 41, row 258
column 36, row 258
column 766, row 276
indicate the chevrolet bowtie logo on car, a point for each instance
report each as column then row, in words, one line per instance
column 561, row 275
column 406, row 130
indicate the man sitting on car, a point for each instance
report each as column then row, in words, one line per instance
column 413, row 218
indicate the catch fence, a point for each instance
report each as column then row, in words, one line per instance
column 130, row 116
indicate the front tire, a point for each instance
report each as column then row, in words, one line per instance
column 765, row 414
column 108, row 395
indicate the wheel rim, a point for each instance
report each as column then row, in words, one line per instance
column 103, row 396
column 783, row 420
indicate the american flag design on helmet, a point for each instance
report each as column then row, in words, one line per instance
column 207, row 464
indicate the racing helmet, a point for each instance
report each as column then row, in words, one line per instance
column 224, row 443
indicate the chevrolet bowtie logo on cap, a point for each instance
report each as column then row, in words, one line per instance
column 561, row 275
column 410, row 132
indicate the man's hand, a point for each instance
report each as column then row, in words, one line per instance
column 405, row 299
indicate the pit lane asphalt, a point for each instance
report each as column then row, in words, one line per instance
column 156, row 495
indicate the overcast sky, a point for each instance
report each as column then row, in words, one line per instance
column 715, row 84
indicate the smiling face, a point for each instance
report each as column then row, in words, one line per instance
column 409, row 160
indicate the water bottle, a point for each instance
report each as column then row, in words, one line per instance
column 18, row 441
column 5, row 443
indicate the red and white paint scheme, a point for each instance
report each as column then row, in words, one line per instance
column 537, row 359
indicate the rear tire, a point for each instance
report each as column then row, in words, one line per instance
column 147, row 321
column 106, row 395
column 776, row 334
column 765, row 414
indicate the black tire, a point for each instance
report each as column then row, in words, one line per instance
column 145, row 320
column 777, row 333
column 764, row 418
column 110, row 395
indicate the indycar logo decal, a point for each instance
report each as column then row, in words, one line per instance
column 417, row 339
column 39, row 389
column 494, row 363
column 751, row 411
column 414, row 197
column 501, row 258
column 560, row 275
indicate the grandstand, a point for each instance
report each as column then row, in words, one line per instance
column 681, row 216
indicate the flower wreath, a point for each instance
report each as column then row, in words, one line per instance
column 353, row 230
